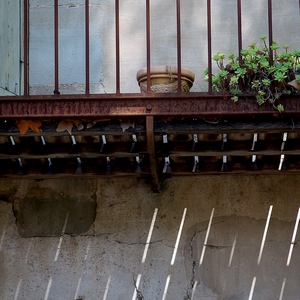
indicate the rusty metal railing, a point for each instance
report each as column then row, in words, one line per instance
column 148, row 41
column 193, row 102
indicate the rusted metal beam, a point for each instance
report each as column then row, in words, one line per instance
column 113, row 105
column 174, row 126
column 65, row 169
column 241, row 172
column 151, row 152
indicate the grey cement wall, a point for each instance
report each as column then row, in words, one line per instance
column 87, row 239
column 228, row 247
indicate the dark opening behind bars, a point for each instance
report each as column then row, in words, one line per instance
column 148, row 42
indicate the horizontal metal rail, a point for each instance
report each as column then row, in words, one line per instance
column 94, row 106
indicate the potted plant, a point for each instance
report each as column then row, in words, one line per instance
column 260, row 71
column 164, row 79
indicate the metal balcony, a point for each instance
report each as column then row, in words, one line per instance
column 196, row 133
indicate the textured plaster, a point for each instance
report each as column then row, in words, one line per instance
column 107, row 259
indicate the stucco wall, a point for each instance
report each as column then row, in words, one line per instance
column 86, row 239
column 111, row 257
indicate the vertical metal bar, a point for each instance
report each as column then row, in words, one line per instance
column 117, row 19
column 26, row 92
column 87, row 47
column 240, row 42
column 209, row 46
column 151, row 152
column 148, row 43
column 270, row 24
column 178, row 46
column 56, row 45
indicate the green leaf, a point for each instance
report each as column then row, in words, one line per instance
column 274, row 46
column 263, row 37
column 280, row 107
column 231, row 55
column 235, row 98
column 223, row 73
column 266, row 81
column 240, row 72
column 234, row 80
column 216, row 57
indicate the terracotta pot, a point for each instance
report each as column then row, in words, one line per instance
column 163, row 79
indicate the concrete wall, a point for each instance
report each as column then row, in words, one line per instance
column 106, row 256
column 86, row 239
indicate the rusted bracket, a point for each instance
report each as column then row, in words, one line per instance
column 151, row 152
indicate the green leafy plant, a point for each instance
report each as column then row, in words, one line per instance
column 261, row 71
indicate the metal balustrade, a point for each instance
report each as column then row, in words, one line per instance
column 205, row 131
column 113, row 104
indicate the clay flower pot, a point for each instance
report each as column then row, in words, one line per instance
column 164, row 79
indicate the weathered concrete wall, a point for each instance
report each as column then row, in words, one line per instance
column 86, row 239
column 111, row 257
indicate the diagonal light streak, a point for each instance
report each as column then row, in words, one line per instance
column 206, row 236
column 106, row 288
column 178, row 237
column 264, row 235
column 18, row 289
column 87, row 250
column 293, row 239
column 48, row 289
column 61, row 238
column 3, row 236
column 166, row 287
column 282, row 289
column 149, row 236
column 194, row 289
column 136, row 287
column 28, row 250
column 232, row 252
column 252, row 288
column 78, row 288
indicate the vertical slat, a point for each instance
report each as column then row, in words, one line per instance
column 87, row 47
column 26, row 91
column 56, row 45
column 239, row 15
column 209, row 46
column 117, row 19
column 270, row 25
column 151, row 152
column 178, row 45
column 148, row 43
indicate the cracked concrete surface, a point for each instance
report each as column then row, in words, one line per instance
column 107, row 259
